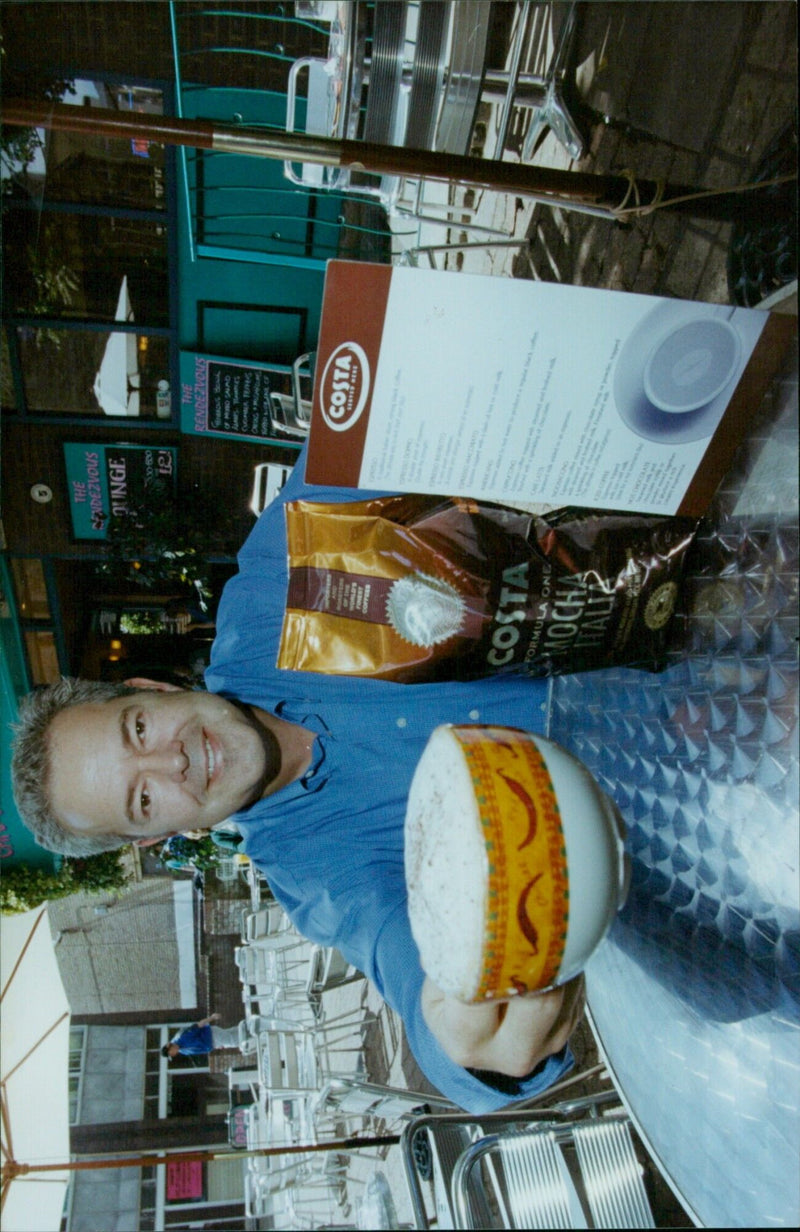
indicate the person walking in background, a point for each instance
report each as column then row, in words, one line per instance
column 201, row 1037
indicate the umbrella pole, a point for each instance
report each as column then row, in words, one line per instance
column 619, row 196
column 13, row 1169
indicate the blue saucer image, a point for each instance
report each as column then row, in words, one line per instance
column 653, row 337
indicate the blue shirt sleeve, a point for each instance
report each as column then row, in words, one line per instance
column 400, row 977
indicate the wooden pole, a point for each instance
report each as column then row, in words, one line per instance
column 606, row 193
column 13, row 1169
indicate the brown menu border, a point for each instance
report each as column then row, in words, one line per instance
column 767, row 358
column 353, row 310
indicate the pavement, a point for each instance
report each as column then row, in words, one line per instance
column 685, row 93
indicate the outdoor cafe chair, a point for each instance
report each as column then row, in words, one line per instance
column 400, row 196
column 328, row 968
column 287, row 1060
column 570, row 1165
column 258, row 885
column 266, row 921
column 299, row 1010
column 374, row 1107
column 290, row 414
column 296, row 1207
column 264, row 1128
column 266, row 968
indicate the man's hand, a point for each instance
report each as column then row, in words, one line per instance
column 511, row 1036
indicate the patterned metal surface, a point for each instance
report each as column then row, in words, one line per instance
column 695, row 996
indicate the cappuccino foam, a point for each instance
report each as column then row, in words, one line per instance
column 446, row 867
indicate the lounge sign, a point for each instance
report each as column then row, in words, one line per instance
column 104, row 480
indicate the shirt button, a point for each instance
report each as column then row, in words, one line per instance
column 401, row 722
column 474, row 714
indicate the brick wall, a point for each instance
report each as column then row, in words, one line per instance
column 123, row 960
column 221, row 470
column 120, row 36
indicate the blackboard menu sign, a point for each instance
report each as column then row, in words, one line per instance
column 233, row 398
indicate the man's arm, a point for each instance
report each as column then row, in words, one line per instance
column 206, row 1022
column 510, row 1037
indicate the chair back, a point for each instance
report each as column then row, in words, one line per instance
column 612, row 1175
column 318, row 103
column 267, row 920
column 555, row 1175
column 287, row 1061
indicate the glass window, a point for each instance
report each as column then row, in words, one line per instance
column 6, row 379
column 90, row 372
column 31, row 588
column 95, row 170
column 85, row 266
column 77, row 1046
column 42, row 656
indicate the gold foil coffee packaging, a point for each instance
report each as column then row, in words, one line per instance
column 414, row 588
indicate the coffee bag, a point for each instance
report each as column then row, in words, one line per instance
column 414, row 588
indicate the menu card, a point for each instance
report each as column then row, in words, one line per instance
column 527, row 392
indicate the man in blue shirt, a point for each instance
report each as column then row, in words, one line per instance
column 201, row 1037
column 316, row 770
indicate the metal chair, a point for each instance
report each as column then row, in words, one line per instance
column 257, row 883
column 542, row 1192
column 273, row 965
column 268, row 920
column 327, row 969
column 290, row 414
column 560, row 1167
column 370, row 1106
column 298, row 1206
column 402, row 99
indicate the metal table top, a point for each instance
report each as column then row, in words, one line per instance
column 695, row 996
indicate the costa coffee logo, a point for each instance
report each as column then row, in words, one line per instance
column 345, row 386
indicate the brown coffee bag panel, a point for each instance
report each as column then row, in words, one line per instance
column 414, row 588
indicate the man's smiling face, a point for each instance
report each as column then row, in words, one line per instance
column 156, row 762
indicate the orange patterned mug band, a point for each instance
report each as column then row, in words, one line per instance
column 528, row 901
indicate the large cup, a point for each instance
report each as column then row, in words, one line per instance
column 515, row 864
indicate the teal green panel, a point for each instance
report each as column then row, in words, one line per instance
column 257, row 291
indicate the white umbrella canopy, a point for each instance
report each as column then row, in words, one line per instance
column 34, row 1072
column 116, row 383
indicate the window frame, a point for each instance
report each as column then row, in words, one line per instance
column 12, row 321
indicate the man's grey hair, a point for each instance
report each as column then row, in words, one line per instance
column 30, row 763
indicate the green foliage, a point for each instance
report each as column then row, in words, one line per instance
column 23, row 888
column 142, row 622
column 18, row 145
column 166, row 543
column 52, row 288
column 182, row 852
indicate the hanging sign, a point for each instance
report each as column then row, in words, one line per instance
column 103, row 480
column 184, row 1180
